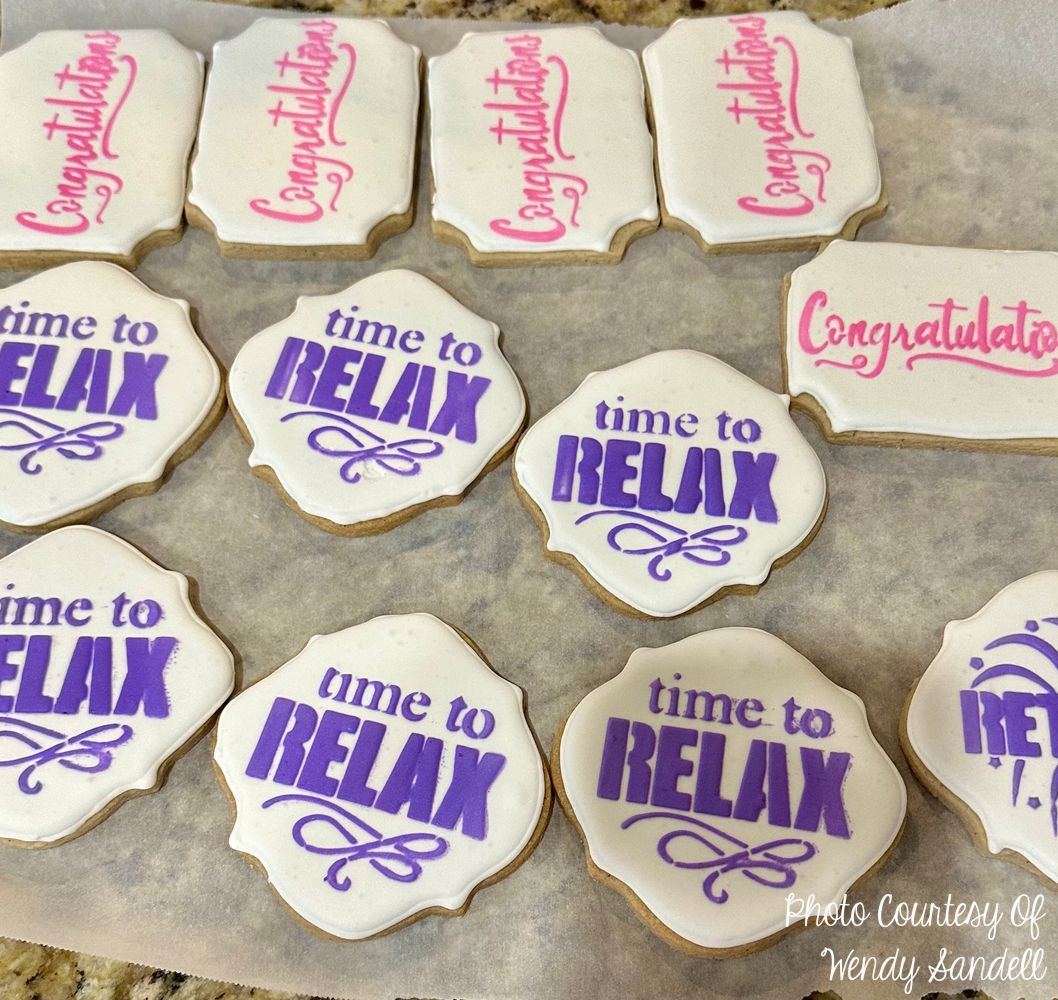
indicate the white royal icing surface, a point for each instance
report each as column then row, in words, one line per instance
column 97, row 129
column 406, row 848
column 984, row 718
column 761, row 127
column 106, row 671
column 308, row 132
column 659, row 542
column 539, row 140
column 353, row 438
column 88, row 409
column 633, row 814
column 887, row 337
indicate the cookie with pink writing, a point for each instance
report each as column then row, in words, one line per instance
column 763, row 137
column 107, row 674
column 892, row 344
column 370, row 405
column 671, row 481
column 540, row 148
column 97, row 130
column 307, row 142
column 104, row 387
column 383, row 774
column 980, row 729
column 715, row 776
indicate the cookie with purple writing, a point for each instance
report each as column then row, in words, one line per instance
column 763, row 137
column 383, row 774
column 981, row 726
column 370, row 405
column 539, row 147
column 107, row 673
column 97, row 126
column 104, row 387
column 670, row 481
column 716, row 777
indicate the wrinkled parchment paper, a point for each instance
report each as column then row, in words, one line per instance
column 965, row 107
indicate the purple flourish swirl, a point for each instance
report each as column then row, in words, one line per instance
column 35, row 435
column 90, row 751
column 399, row 858
column 659, row 540
column 770, row 864
column 340, row 437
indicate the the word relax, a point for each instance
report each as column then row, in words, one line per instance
column 590, row 472
column 91, row 672
column 763, row 96
column 90, row 97
column 642, row 764
column 535, row 128
column 999, row 724
column 312, row 374
column 94, row 384
column 309, row 102
column 948, row 331
column 300, row 747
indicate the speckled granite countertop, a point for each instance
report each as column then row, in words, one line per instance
column 33, row 972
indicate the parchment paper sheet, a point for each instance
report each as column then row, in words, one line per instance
column 963, row 99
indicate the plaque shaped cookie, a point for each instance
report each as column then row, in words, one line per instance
column 893, row 344
column 383, row 774
column 763, row 137
column 981, row 726
column 107, row 673
column 715, row 776
column 670, row 481
column 369, row 405
column 540, row 147
column 104, row 386
column 307, row 142
column 97, row 130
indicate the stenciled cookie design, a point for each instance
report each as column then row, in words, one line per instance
column 714, row 777
column 540, row 148
column 671, row 481
column 307, row 142
column 383, row 774
column 107, row 673
column 981, row 727
column 892, row 344
column 104, row 387
column 368, row 406
column 763, row 137
column 97, row 130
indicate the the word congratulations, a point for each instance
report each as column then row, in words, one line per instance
column 537, row 132
column 970, row 334
column 90, row 100
column 346, row 380
column 592, row 472
column 299, row 747
column 763, row 97
column 645, row 764
column 310, row 101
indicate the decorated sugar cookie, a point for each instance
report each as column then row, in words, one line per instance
column 670, row 481
column 713, row 777
column 932, row 346
column 981, row 726
column 97, row 130
column 540, row 148
column 307, row 141
column 104, row 386
column 763, row 137
column 369, row 405
column 383, row 774
column 107, row 673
